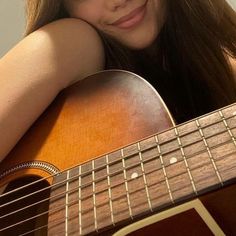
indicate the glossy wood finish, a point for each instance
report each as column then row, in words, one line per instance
column 93, row 117
column 102, row 114
column 169, row 167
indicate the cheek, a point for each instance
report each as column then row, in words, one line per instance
column 86, row 13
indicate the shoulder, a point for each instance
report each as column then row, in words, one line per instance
column 72, row 45
column 68, row 27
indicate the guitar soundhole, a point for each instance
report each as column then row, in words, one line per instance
column 22, row 213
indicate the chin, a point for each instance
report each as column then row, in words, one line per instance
column 143, row 38
column 142, row 43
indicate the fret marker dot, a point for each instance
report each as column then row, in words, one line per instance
column 134, row 175
column 234, row 113
column 173, row 160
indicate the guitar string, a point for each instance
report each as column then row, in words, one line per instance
column 164, row 131
column 163, row 143
column 62, row 219
column 102, row 178
column 233, row 137
column 59, row 221
column 98, row 180
column 166, row 142
column 75, row 215
column 83, row 199
column 49, row 186
column 110, row 164
column 62, row 207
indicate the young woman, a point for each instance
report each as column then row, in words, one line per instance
column 185, row 48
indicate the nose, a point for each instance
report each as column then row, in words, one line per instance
column 116, row 4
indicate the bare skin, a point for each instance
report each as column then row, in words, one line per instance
column 104, row 14
column 41, row 65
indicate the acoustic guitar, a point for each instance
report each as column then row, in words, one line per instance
column 107, row 153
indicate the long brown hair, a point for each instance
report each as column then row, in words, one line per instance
column 42, row 12
column 193, row 45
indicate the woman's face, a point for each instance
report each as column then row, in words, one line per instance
column 134, row 23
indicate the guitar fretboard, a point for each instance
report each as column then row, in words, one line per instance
column 169, row 167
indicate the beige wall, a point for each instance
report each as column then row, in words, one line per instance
column 12, row 23
column 233, row 3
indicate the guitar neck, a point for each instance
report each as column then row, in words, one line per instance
column 159, row 171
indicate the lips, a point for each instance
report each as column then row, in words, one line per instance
column 131, row 19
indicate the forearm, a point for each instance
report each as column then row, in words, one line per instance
column 22, row 99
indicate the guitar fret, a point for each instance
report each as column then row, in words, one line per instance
column 80, row 207
column 57, row 201
column 73, row 200
column 94, row 198
column 208, row 151
column 164, row 170
column 126, row 183
column 144, row 177
column 87, row 198
column 109, row 191
column 67, row 202
column 185, row 160
column 227, row 127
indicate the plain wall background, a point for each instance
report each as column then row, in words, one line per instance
column 12, row 22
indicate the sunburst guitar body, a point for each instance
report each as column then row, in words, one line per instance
column 106, row 158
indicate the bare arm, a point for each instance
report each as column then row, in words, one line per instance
column 42, row 64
